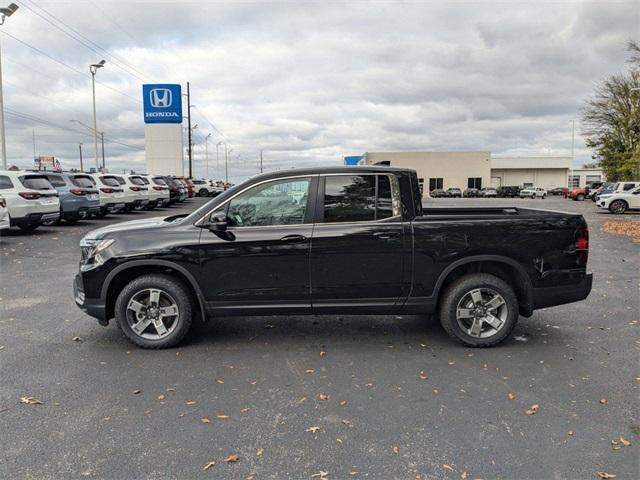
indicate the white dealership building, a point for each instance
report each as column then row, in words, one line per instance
column 480, row 169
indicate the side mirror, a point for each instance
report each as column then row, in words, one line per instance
column 217, row 223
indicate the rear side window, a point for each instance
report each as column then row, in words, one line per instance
column 56, row 180
column 5, row 182
column 110, row 181
column 83, row 182
column 35, row 182
column 352, row 198
column 136, row 180
column 628, row 186
column 159, row 181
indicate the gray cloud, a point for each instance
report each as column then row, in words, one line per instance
column 310, row 82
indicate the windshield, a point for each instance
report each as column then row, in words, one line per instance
column 110, row 181
column 120, row 180
column 36, row 182
column 136, row 180
column 159, row 181
column 84, row 182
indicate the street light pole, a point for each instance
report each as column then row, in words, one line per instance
column 226, row 163
column 189, row 132
column 93, row 68
column 80, row 148
column 206, row 155
column 4, row 13
column 218, row 157
column 102, row 138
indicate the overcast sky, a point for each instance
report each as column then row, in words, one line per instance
column 311, row 82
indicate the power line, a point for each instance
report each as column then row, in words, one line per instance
column 82, row 39
column 211, row 124
column 42, row 52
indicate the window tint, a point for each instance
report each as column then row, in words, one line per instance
column 136, row 180
column 35, row 182
column 384, row 206
column 120, row 180
column 628, row 186
column 159, row 181
column 349, row 198
column 276, row 203
column 56, row 180
column 83, row 182
column 198, row 182
column 110, row 181
column 5, row 182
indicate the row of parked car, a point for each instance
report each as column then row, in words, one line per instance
column 29, row 199
column 490, row 192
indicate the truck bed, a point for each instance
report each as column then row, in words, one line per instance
column 440, row 213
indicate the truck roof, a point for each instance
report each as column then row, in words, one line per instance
column 325, row 170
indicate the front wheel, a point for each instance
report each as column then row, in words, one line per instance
column 580, row 198
column 618, row 206
column 154, row 311
column 479, row 310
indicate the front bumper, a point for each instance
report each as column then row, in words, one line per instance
column 91, row 306
column 562, row 294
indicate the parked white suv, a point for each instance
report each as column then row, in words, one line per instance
column 158, row 194
column 533, row 192
column 621, row 201
column 31, row 200
column 4, row 214
column 112, row 196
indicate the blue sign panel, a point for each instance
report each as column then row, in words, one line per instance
column 162, row 103
column 352, row 160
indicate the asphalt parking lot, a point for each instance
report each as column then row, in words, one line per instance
column 329, row 397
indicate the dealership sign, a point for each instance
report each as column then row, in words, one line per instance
column 162, row 103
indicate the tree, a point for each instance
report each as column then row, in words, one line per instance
column 611, row 122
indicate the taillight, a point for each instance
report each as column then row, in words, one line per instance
column 135, row 189
column 582, row 246
column 106, row 190
column 29, row 195
column 159, row 189
column 78, row 191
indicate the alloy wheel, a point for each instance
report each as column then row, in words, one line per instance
column 481, row 312
column 618, row 206
column 152, row 314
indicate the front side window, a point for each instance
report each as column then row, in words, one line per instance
column 282, row 202
column 352, row 198
column 5, row 182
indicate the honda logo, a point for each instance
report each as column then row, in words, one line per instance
column 160, row 97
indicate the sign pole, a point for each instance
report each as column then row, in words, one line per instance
column 189, row 130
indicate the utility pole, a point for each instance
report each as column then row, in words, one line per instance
column 218, row 157
column 189, row 148
column 260, row 160
column 102, row 137
column 4, row 13
column 80, row 148
column 33, row 134
column 226, row 163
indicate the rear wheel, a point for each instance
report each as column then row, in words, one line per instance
column 154, row 311
column 479, row 310
column 618, row 206
column 580, row 197
column 203, row 192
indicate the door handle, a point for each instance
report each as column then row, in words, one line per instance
column 386, row 235
column 293, row 239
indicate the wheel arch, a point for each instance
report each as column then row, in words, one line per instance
column 123, row 274
column 503, row 267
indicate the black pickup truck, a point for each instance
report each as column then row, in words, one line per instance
column 334, row 240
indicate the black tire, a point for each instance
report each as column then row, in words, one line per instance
column 618, row 206
column 462, row 287
column 203, row 192
column 580, row 198
column 178, row 293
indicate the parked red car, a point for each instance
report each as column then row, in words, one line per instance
column 189, row 185
column 578, row 193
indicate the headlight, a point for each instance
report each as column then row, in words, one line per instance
column 91, row 252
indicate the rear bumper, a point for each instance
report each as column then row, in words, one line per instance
column 91, row 306
column 562, row 294
column 36, row 219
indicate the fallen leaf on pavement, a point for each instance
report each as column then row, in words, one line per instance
column 209, row 465
column 464, row 475
column 423, row 375
column 625, row 442
column 323, row 396
column 222, row 417
column 447, row 467
column 220, row 381
column 31, row 401
column 343, row 403
column 321, row 474
column 605, row 475
column 76, row 339
column 322, row 354
column 244, row 410
column 396, row 450
column 511, row 396
column 260, row 451
column 205, row 420
column 161, row 397
column 312, row 429
column 603, row 401
column 136, row 392
column 233, row 458
column 309, row 370
column 533, row 410
column 191, row 402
